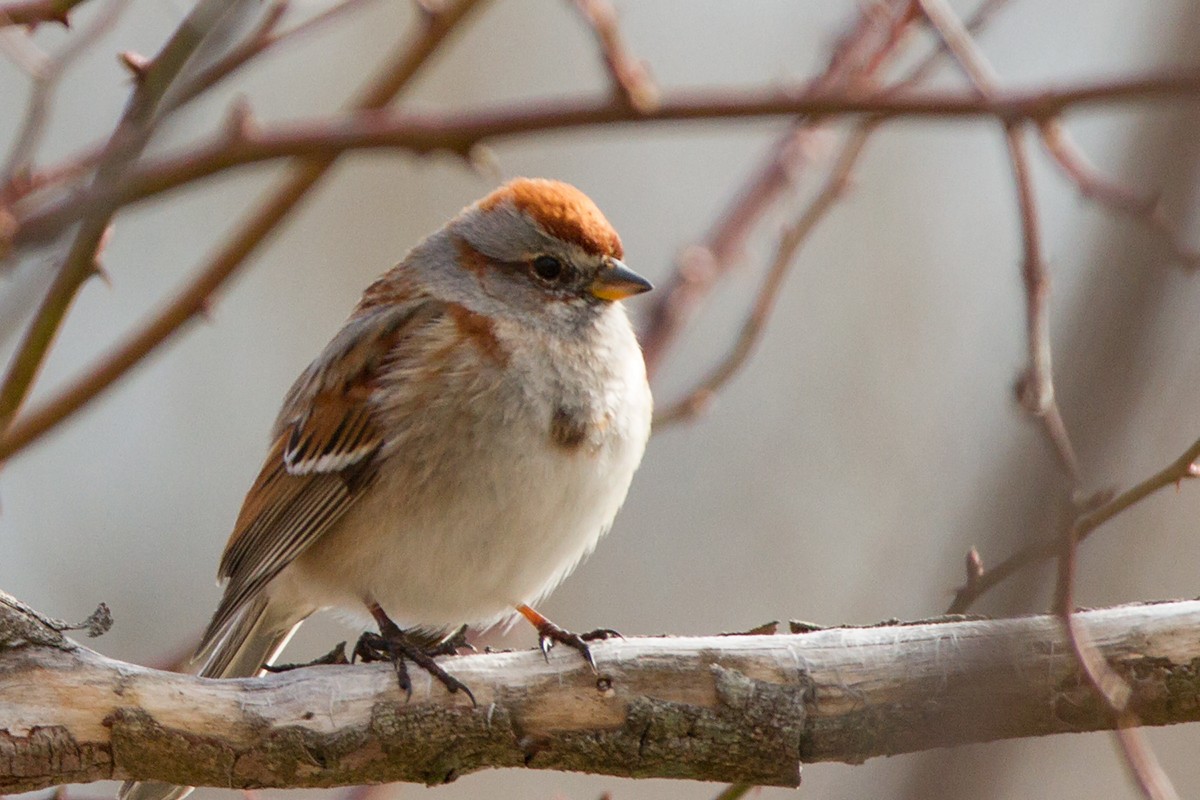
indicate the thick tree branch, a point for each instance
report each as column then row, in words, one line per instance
column 731, row 708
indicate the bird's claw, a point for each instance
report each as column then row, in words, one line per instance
column 335, row 656
column 396, row 647
column 549, row 634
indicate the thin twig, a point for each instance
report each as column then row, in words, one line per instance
column 978, row 20
column 194, row 297
column 253, row 43
column 32, row 12
column 1036, row 393
column 1139, row 756
column 1144, row 209
column 131, row 135
column 19, row 48
column 45, row 83
column 1099, row 674
column 1035, row 388
column 263, row 37
column 1150, row 776
column 790, row 242
column 1183, row 468
column 853, row 67
column 630, row 78
column 699, row 397
column 459, row 132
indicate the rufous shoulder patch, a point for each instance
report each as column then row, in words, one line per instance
column 562, row 211
column 479, row 330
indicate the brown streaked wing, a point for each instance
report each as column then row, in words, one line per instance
column 321, row 460
column 336, row 433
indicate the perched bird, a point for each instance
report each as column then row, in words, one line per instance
column 459, row 446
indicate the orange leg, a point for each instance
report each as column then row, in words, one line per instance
column 549, row 633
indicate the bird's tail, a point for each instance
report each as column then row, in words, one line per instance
column 253, row 640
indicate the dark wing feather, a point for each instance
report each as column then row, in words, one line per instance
column 322, row 458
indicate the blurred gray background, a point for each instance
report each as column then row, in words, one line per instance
column 841, row 478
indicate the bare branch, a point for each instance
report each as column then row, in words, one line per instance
column 853, row 67
column 1183, row 468
column 790, row 242
column 459, row 132
column 194, row 297
column 1035, row 388
column 264, row 37
column 46, row 81
column 741, row 708
column 630, row 78
column 32, row 12
column 1036, row 393
column 700, row 261
column 1120, row 199
column 132, row 134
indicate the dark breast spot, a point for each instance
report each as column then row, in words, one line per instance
column 569, row 428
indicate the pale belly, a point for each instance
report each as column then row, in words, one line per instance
column 478, row 505
column 466, row 539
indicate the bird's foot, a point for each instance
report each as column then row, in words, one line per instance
column 549, row 634
column 398, row 647
column 335, row 656
column 450, row 645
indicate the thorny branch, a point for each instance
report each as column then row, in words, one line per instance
column 45, row 81
column 848, row 87
column 367, row 130
column 698, row 397
column 459, row 132
column 130, row 137
column 266, row 36
column 263, row 37
column 1036, row 394
column 192, row 300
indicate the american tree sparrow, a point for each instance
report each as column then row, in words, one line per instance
column 459, row 446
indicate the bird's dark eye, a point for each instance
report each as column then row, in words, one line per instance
column 548, row 268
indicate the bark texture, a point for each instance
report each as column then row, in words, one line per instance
column 722, row 708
